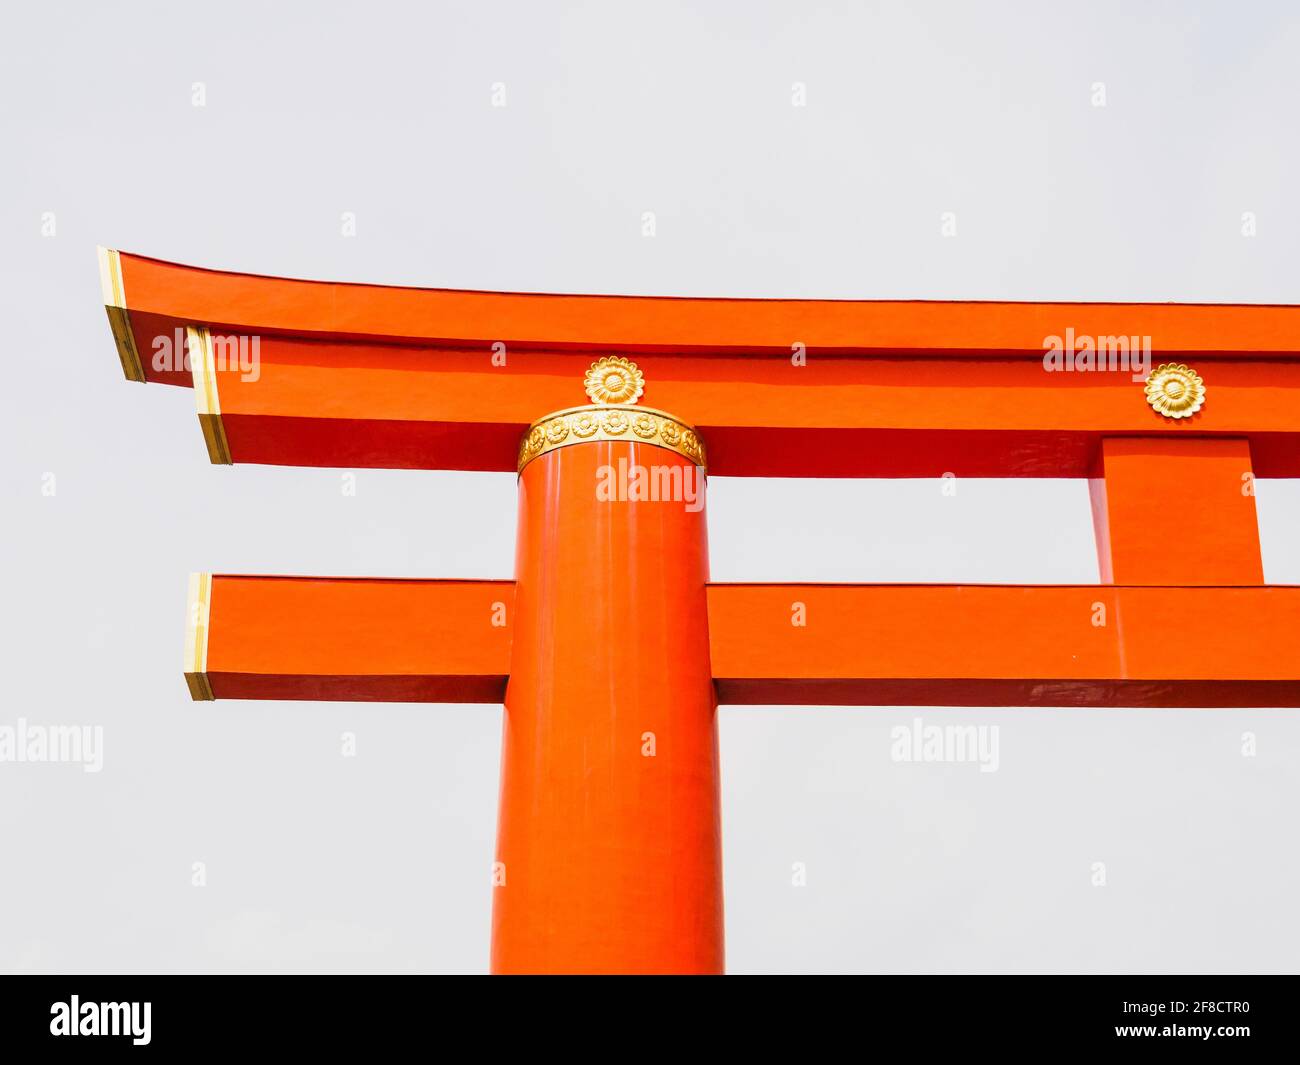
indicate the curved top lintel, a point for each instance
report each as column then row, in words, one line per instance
column 156, row 295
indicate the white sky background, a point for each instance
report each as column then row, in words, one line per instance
column 381, row 862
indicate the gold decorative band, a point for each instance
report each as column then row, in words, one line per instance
column 582, row 425
column 197, row 611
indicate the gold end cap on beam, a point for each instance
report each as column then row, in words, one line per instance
column 613, row 384
column 113, row 290
column 198, row 608
column 203, row 367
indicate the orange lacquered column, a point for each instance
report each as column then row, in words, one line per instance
column 609, row 840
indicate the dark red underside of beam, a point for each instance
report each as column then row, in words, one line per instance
column 733, row 451
column 1190, row 694
column 872, row 692
column 359, row 689
column 276, row 441
column 934, row 452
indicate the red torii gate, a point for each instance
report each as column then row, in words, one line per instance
column 611, row 649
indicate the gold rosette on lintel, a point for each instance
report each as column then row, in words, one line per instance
column 613, row 384
column 1175, row 390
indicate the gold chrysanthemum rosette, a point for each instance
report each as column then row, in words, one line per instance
column 583, row 425
column 614, row 379
column 1175, row 390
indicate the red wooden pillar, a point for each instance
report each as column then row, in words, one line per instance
column 609, row 842
column 1176, row 511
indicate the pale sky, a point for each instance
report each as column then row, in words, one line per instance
column 381, row 862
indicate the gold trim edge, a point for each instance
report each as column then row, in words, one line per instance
column 113, row 290
column 198, row 344
column 198, row 611
column 622, row 421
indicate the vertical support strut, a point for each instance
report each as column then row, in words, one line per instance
column 609, row 842
column 1176, row 511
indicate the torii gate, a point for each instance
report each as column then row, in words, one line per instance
column 611, row 649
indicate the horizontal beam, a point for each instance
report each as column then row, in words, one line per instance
column 367, row 376
column 348, row 638
column 796, row 644
column 357, row 404
column 1014, row 645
